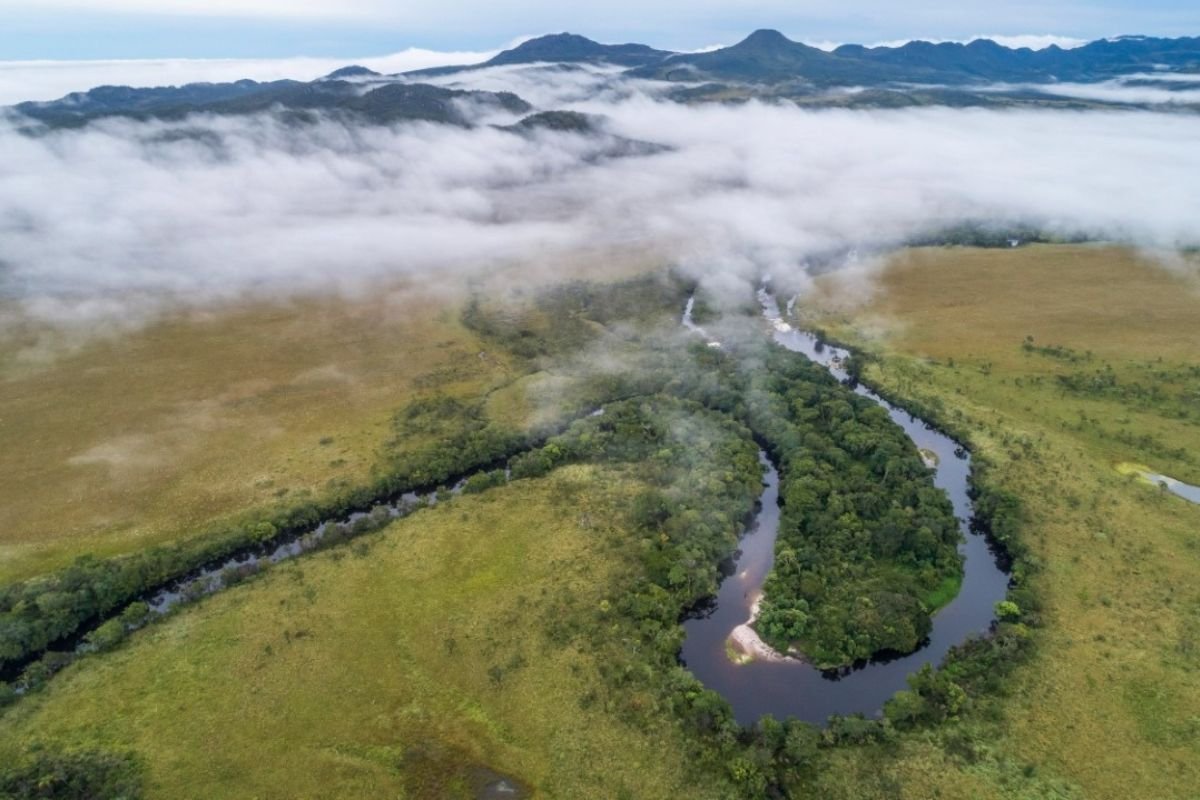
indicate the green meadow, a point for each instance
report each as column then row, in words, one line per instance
column 408, row 664
column 1065, row 362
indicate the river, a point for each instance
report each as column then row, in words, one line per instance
column 789, row 687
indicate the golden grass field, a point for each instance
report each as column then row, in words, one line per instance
column 145, row 438
column 120, row 442
column 368, row 673
column 1111, row 703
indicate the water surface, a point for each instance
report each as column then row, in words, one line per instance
column 1174, row 486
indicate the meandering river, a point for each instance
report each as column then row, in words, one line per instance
column 769, row 684
column 787, row 687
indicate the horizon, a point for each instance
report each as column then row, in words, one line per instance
column 139, row 29
column 47, row 79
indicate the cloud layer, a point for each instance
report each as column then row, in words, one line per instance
column 50, row 80
column 1164, row 89
column 124, row 220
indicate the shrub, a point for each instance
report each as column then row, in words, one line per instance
column 135, row 614
column 50, row 774
column 1007, row 611
column 108, row 635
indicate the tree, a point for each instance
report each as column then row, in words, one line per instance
column 905, row 709
column 800, row 747
column 1007, row 611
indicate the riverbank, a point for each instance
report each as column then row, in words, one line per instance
column 1114, row 667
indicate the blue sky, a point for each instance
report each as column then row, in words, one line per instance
column 90, row 29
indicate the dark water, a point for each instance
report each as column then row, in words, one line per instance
column 1184, row 490
column 790, row 687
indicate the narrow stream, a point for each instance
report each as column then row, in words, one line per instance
column 1174, row 486
column 220, row 574
column 213, row 578
column 787, row 687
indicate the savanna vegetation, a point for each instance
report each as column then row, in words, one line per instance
column 1058, row 364
column 685, row 442
column 527, row 630
column 116, row 444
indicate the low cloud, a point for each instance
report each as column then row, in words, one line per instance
column 1155, row 89
column 50, row 80
column 125, row 220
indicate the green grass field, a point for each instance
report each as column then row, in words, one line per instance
column 1111, row 703
column 400, row 666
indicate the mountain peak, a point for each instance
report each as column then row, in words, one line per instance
column 353, row 71
column 766, row 38
column 571, row 47
column 564, row 39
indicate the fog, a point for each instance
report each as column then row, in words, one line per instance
column 1160, row 88
column 50, row 80
column 123, row 221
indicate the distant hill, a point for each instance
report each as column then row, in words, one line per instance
column 561, row 121
column 570, row 47
column 387, row 103
column 767, row 56
column 353, row 71
column 562, row 48
column 985, row 60
column 591, row 125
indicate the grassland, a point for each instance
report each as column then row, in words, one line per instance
column 415, row 662
column 1110, row 706
column 403, row 666
column 145, row 435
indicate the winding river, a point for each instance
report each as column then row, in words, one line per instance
column 783, row 686
column 768, row 684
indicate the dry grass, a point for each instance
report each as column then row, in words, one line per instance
column 118, row 442
column 1113, row 301
column 146, row 437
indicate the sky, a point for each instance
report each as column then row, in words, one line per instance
column 136, row 29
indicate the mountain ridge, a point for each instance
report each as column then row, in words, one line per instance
column 768, row 56
column 765, row 64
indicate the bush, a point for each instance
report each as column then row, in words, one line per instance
column 108, row 635
column 135, row 615
column 1007, row 611
column 48, row 774
column 42, row 670
column 482, row 481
